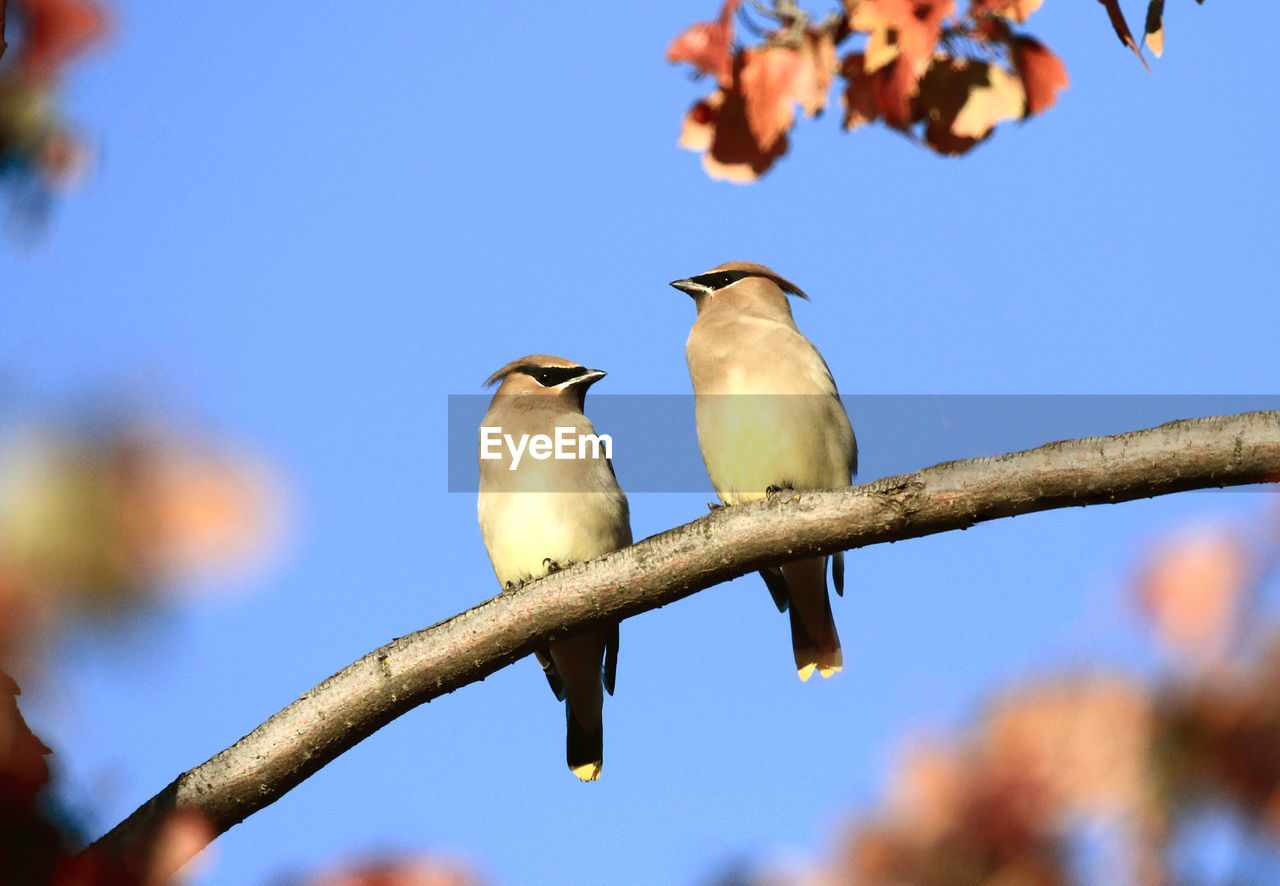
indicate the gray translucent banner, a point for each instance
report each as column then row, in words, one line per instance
column 655, row 443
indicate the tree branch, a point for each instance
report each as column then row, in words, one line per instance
column 354, row 703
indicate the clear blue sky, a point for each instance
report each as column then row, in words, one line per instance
column 314, row 222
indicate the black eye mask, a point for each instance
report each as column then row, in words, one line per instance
column 720, row 279
column 551, row 376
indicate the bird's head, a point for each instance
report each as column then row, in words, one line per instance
column 740, row 283
column 542, row 375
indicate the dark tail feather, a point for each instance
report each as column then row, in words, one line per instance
column 609, row 672
column 803, row 646
column 550, row 672
column 822, row 652
column 777, row 586
column 584, row 750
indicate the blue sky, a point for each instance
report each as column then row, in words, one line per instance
column 312, row 223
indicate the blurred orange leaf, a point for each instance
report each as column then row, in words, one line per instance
column 906, row 28
column 399, row 872
column 928, row 790
column 1043, row 73
column 103, row 520
column 55, row 31
column 895, row 87
column 859, row 96
column 1086, row 739
column 996, row 98
column 817, row 70
column 1195, row 588
column 717, row 126
column 766, row 80
column 182, row 836
column 1155, row 27
column 963, row 100
column 708, row 46
column 203, row 508
column 1018, row 10
column 902, row 36
column 698, row 126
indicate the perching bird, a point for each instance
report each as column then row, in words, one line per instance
column 550, row 512
column 770, row 418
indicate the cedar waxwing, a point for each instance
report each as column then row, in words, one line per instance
column 540, row 513
column 770, row 418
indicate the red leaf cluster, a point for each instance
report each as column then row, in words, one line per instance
column 903, row 33
column 708, row 46
column 904, row 76
column 35, row 844
column 742, row 127
column 54, row 32
column 907, row 78
column 1043, row 73
column 39, row 152
column 900, row 40
column 944, row 75
column 1101, row 756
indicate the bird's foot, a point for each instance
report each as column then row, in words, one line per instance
column 553, row 566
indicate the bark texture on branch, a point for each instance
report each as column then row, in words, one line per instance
column 352, row 704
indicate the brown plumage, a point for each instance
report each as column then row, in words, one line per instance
column 769, row 417
column 547, row 514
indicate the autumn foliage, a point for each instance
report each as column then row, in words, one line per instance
column 1100, row 758
column 98, row 519
column 38, row 843
column 942, row 75
column 40, row 153
column 101, row 518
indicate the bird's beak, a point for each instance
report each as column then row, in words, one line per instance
column 588, row 378
column 690, row 288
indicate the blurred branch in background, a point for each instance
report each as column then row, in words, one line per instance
column 40, row 154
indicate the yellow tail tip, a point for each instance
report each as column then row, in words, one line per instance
column 587, row 771
column 826, row 670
